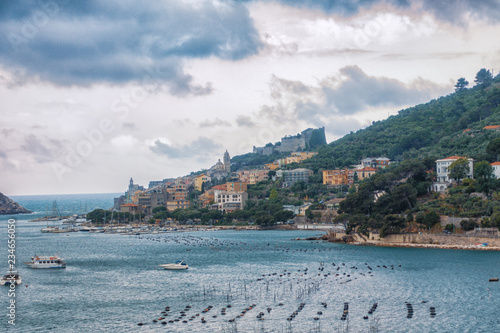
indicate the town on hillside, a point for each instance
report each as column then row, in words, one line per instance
column 222, row 195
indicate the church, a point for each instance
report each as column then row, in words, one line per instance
column 221, row 169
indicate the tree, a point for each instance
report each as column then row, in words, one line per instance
column 468, row 225
column 483, row 172
column 483, row 78
column 405, row 196
column 493, row 148
column 459, row 169
column 309, row 213
column 158, row 209
column 264, row 219
column 431, row 218
column 274, row 195
column 461, row 85
column 392, row 225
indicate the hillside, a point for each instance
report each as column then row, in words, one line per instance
column 432, row 130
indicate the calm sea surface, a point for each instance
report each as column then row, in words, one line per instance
column 112, row 282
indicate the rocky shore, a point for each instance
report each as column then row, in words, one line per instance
column 10, row 207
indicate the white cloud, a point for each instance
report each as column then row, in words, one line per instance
column 124, row 142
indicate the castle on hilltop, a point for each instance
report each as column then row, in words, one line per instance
column 305, row 140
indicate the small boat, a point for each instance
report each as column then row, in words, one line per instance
column 46, row 262
column 175, row 266
column 49, row 229
column 12, row 277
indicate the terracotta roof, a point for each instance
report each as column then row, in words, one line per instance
column 495, row 163
column 219, row 187
column 453, row 158
column 491, row 127
column 466, row 130
column 367, row 169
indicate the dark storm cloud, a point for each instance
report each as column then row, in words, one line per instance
column 201, row 147
column 358, row 91
column 86, row 42
column 457, row 11
column 34, row 146
column 337, row 99
column 245, row 121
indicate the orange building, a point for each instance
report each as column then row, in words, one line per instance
column 336, row 177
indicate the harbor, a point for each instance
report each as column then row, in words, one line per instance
column 250, row 281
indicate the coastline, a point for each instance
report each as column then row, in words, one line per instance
column 432, row 246
column 426, row 241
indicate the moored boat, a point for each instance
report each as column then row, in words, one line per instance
column 175, row 266
column 12, row 277
column 46, row 262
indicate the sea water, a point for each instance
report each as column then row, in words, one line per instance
column 112, row 282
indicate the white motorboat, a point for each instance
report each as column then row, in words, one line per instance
column 46, row 262
column 175, row 266
column 12, row 277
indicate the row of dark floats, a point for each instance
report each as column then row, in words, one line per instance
column 167, row 317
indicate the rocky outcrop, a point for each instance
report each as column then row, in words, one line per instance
column 8, row 206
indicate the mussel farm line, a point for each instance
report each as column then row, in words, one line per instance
column 285, row 301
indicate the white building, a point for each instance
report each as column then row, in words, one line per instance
column 496, row 169
column 228, row 201
column 443, row 180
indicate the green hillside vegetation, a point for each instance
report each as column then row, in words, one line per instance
column 252, row 160
column 399, row 195
column 432, row 130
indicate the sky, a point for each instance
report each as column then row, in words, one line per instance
column 95, row 92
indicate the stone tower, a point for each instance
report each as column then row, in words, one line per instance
column 227, row 162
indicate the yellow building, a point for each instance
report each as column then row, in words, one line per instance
column 199, row 180
column 336, row 177
column 273, row 166
column 298, row 157
column 366, row 172
column 173, row 205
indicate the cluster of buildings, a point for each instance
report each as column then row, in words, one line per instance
column 226, row 198
column 347, row 176
column 172, row 195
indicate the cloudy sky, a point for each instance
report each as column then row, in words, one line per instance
column 95, row 92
